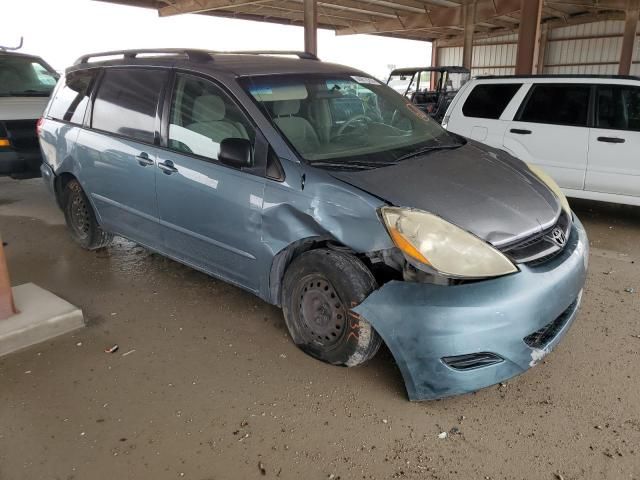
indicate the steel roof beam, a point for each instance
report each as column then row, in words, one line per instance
column 437, row 17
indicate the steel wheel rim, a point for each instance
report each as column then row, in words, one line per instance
column 80, row 218
column 322, row 313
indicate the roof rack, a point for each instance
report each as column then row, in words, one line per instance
column 558, row 75
column 12, row 49
column 299, row 54
column 193, row 54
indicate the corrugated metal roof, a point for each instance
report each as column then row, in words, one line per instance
column 414, row 19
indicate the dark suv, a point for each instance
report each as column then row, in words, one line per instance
column 321, row 190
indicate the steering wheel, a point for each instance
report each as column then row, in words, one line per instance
column 348, row 123
column 394, row 117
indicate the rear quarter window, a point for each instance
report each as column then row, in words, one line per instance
column 489, row 100
column 71, row 99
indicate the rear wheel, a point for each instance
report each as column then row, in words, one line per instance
column 320, row 288
column 81, row 219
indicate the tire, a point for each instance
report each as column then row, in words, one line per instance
column 81, row 219
column 320, row 288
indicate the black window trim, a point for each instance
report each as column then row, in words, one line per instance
column 595, row 107
column 88, row 125
column 260, row 147
column 590, row 106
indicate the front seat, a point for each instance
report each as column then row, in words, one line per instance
column 208, row 116
column 297, row 129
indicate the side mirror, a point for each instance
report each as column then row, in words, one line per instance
column 236, row 152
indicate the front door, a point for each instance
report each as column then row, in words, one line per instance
column 210, row 214
column 551, row 131
column 614, row 142
column 118, row 154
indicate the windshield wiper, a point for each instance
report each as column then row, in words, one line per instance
column 354, row 165
column 431, row 148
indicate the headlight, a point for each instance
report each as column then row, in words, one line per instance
column 553, row 186
column 451, row 251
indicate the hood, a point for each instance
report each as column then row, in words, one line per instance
column 484, row 191
column 22, row 108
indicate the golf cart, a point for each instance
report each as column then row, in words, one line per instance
column 430, row 88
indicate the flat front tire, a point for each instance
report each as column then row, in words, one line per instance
column 320, row 288
column 81, row 219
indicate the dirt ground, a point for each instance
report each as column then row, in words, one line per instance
column 207, row 384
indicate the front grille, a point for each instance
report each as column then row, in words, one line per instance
column 22, row 134
column 541, row 338
column 541, row 247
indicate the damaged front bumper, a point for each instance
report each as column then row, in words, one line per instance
column 449, row 340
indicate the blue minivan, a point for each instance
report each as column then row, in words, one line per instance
column 321, row 190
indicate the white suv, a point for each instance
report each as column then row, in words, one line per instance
column 583, row 130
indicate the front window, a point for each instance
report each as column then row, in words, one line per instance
column 346, row 120
column 25, row 76
column 202, row 116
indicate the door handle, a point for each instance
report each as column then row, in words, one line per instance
column 611, row 139
column 519, row 131
column 167, row 167
column 144, row 160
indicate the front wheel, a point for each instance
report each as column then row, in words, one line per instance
column 320, row 288
column 81, row 219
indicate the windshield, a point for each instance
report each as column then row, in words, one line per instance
column 400, row 82
column 346, row 120
column 20, row 76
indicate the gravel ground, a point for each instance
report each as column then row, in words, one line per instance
column 207, row 385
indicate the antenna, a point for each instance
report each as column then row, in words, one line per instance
column 4, row 49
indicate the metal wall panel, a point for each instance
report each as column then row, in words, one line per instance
column 575, row 50
column 491, row 56
column 591, row 48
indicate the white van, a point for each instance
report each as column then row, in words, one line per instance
column 26, row 81
column 583, row 130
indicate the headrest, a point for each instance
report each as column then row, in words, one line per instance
column 208, row 108
column 286, row 107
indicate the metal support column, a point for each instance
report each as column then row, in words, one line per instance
column 630, row 29
column 469, row 13
column 311, row 26
column 434, row 63
column 528, row 36
column 542, row 49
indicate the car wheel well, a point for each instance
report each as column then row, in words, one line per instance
column 60, row 183
column 283, row 259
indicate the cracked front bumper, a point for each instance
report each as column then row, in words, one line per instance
column 423, row 323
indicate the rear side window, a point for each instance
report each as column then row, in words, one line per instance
column 127, row 101
column 557, row 104
column 618, row 107
column 489, row 100
column 71, row 100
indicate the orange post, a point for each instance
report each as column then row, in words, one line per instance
column 7, row 305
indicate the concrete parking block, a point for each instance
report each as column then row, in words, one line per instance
column 41, row 316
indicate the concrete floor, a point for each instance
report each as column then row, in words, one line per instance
column 207, row 384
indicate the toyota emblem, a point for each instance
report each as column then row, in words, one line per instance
column 558, row 237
